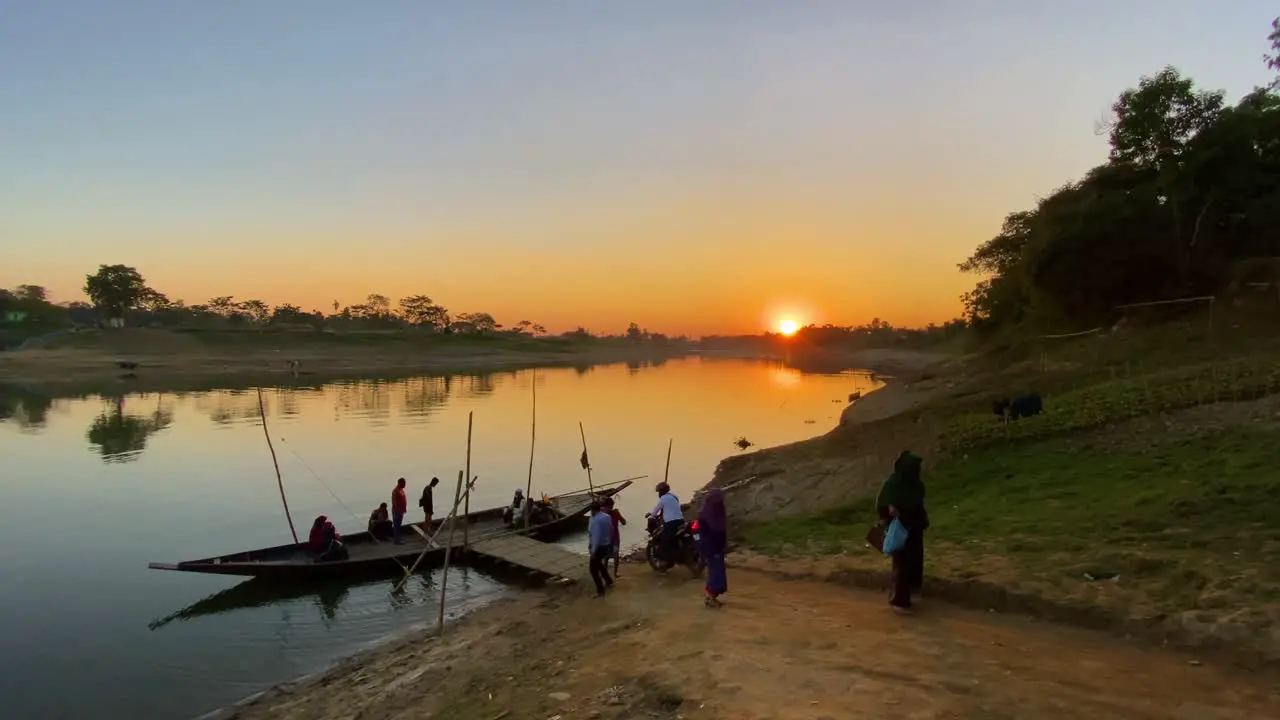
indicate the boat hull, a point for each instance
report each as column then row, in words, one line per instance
column 371, row 557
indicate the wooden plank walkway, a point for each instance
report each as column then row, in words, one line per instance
column 555, row 561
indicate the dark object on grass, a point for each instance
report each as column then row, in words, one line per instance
column 126, row 365
column 1022, row 406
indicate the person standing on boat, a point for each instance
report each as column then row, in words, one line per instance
column 427, row 503
column 668, row 510
column 399, row 506
column 600, row 547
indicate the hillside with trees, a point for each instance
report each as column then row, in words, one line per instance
column 1187, row 203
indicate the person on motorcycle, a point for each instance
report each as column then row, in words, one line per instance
column 668, row 512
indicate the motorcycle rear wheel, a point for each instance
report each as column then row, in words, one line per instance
column 655, row 562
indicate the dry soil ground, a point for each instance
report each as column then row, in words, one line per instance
column 778, row 649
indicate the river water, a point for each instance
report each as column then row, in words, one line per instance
column 96, row 487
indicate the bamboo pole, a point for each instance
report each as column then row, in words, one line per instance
column 466, row 512
column 600, row 487
column 666, row 473
column 590, row 485
column 444, row 575
column 262, row 410
column 533, row 440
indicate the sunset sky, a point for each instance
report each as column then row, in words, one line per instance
column 695, row 167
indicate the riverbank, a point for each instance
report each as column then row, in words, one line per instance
column 1142, row 502
column 91, row 361
column 1111, row 518
column 792, row 648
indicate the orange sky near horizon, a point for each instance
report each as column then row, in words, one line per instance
column 686, row 271
column 704, row 168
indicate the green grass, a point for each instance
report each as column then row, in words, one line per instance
column 1119, row 399
column 1191, row 522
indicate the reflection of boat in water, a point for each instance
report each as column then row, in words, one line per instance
column 368, row 555
column 257, row 592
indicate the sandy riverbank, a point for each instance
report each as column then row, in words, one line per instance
column 780, row 648
column 173, row 361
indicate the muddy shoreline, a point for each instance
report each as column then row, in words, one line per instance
column 57, row 372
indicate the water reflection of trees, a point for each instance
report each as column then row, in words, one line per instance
column 231, row 406
column 228, row 406
column 479, row 385
column 423, row 395
column 122, row 436
column 27, row 408
column 364, row 398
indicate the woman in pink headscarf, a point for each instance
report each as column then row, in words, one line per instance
column 712, row 539
column 318, row 541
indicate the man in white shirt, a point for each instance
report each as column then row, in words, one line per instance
column 668, row 510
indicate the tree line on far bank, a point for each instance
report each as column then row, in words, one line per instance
column 1186, row 204
column 120, row 291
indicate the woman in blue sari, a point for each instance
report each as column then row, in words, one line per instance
column 712, row 530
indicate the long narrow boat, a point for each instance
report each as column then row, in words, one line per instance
column 368, row 555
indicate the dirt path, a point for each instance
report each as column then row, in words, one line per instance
column 778, row 649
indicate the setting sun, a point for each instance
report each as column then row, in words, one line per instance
column 788, row 327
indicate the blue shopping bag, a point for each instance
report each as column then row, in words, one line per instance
column 895, row 538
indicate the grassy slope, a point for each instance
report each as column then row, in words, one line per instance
column 1155, row 495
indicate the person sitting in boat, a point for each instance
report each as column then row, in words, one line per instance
column 325, row 542
column 380, row 522
column 543, row 511
column 514, row 511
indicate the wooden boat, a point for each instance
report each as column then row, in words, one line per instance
column 368, row 555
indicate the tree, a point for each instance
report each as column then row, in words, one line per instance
column 224, row 305
column 1191, row 188
column 115, row 289
column 379, row 305
column 1154, row 121
column 255, row 310
column 32, row 294
column 153, row 301
column 475, row 323
column 1273, row 57
column 288, row 313
column 1001, row 253
column 634, row 333
column 422, row 311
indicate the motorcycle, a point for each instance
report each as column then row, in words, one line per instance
column 687, row 551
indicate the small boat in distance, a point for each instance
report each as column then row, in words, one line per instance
column 369, row 556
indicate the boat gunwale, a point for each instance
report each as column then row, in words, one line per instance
column 217, row 564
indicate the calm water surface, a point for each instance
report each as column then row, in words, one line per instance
column 95, row 488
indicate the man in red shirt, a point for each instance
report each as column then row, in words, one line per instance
column 399, row 506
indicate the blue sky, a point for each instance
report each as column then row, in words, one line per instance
column 689, row 165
